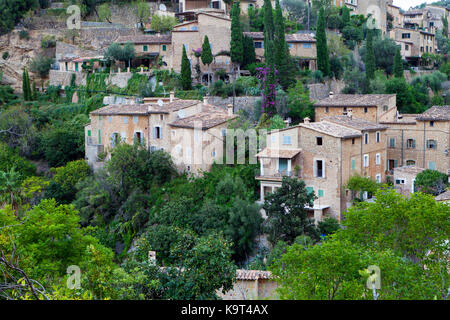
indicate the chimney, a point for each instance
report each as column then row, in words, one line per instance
column 200, row 107
column 286, row 122
column 350, row 113
column 331, row 94
column 230, row 110
column 306, row 120
column 172, row 96
column 205, row 100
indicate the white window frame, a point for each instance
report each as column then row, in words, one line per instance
column 287, row 140
column 378, row 159
column 378, row 177
column 366, row 161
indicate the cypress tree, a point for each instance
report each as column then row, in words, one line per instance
column 207, row 56
column 236, row 44
column 323, row 59
column 249, row 51
column 283, row 61
column 269, row 33
column 26, row 86
column 186, row 76
column 345, row 16
column 398, row 64
column 370, row 56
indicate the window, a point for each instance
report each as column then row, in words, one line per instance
column 432, row 165
column 157, row 133
column 309, row 189
column 366, row 160
column 224, row 132
column 406, row 35
column 99, row 137
column 135, row 119
column 290, row 45
column 145, row 48
column 378, row 136
column 353, row 140
column 410, row 144
column 392, row 143
column 326, row 109
column 194, row 28
column 137, row 137
column 431, row 123
column 115, row 139
column 353, row 164
column 259, row 45
column 89, row 133
column 213, row 153
column 431, row 144
column 321, row 193
column 307, row 45
column 378, row 178
column 365, row 109
column 410, row 163
column 400, row 181
column 161, row 117
column 378, row 159
column 286, row 139
column 125, row 120
column 319, row 141
column 319, row 169
column 164, row 47
column 110, row 119
column 282, row 165
column 385, row 108
column 366, row 138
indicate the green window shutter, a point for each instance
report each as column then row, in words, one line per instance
column 310, row 189
column 395, row 163
column 99, row 137
column 89, row 133
column 164, row 47
column 392, row 142
column 353, row 164
column 145, row 48
column 414, row 144
column 320, row 193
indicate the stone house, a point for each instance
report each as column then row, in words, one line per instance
column 186, row 6
column 191, row 131
column 150, row 49
column 301, row 46
column 76, row 64
column 443, row 197
column 414, row 43
column 421, row 140
column 325, row 155
column 371, row 107
column 404, row 178
column 251, row 285
column 396, row 15
column 191, row 35
column 428, row 17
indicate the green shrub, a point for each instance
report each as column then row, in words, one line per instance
column 48, row 41
column 24, row 35
column 41, row 65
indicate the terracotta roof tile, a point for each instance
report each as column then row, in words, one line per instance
column 443, row 196
column 295, row 37
column 354, row 100
column 332, row 129
column 145, row 39
column 145, row 108
column 210, row 117
column 242, row 274
column 278, row 153
column 437, row 113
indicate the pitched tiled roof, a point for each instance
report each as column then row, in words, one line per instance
column 295, row 37
column 354, row 100
column 436, row 113
column 355, row 123
column 443, row 196
column 145, row 108
column 278, row 153
column 252, row 274
column 408, row 169
column 332, row 129
column 146, row 39
column 210, row 117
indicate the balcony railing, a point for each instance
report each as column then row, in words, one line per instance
column 280, row 174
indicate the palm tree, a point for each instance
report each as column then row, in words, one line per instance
column 10, row 183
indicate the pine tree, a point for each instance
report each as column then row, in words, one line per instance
column 323, row 59
column 186, row 76
column 249, row 51
column 370, row 56
column 283, row 61
column 398, row 64
column 207, row 56
column 26, row 86
column 236, row 44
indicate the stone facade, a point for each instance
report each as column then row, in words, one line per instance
column 404, row 178
column 414, row 43
column 325, row 155
column 191, row 131
column 251, row 285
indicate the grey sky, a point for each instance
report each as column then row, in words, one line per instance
column 406, row 4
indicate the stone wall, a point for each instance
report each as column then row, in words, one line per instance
column 246, row 103
column 63, row 78
column 319, row 91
